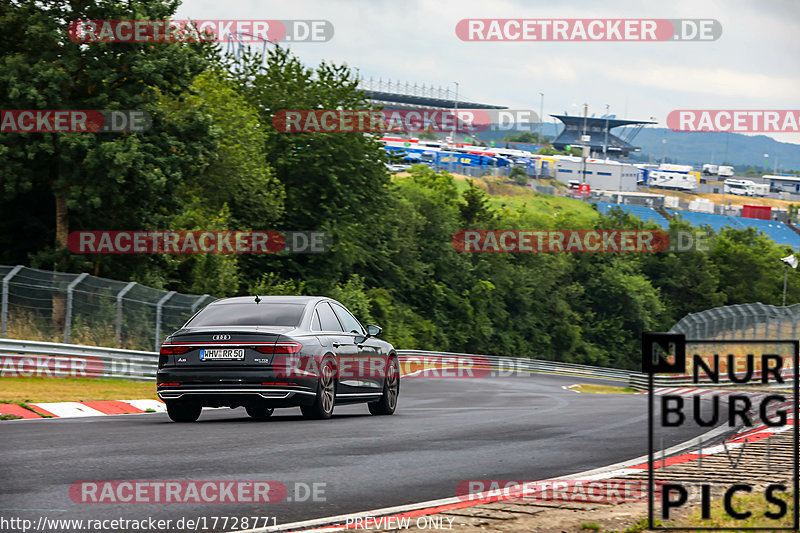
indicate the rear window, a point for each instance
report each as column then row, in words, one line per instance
column 249, row 314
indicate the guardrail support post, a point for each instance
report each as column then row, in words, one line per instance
column 159, row 305
column 68, row 315
column 4, row 311
column 120, row 294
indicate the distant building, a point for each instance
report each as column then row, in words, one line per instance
column 610, row 176
column 596, row 128
column 783, row 183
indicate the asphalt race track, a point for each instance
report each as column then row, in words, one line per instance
column 445, row 431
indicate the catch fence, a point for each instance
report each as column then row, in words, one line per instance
column 85, row 309
column 742, row 322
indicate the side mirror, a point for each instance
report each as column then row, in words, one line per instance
column 373, row 331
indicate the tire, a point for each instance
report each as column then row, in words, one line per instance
column 259, row 413
column 322, row 408
column 391, row 391
column 183, row 412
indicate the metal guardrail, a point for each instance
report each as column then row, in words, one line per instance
column 639, row 381
column 20, row 358
column 519, row 364
column 52, row 360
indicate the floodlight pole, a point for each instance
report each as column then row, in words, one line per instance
column 455, row 121
column 541, row 117
column 785, row 276
column 583, row 147
column 605, row 143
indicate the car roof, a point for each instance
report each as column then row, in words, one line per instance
column 270, row 299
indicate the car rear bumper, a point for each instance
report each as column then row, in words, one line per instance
column 234, row 388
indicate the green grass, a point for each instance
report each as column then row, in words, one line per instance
column 544, row 209
column 602, row 389
column 754, row 502
column 26, row 390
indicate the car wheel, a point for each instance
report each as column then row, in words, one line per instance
column 259, row 413
column 322, row 408
column 183, row 412
column 391, row 391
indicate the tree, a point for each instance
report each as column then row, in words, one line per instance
column 427, row 136
column 95, row 180
column 525, row 137
column 475, row 208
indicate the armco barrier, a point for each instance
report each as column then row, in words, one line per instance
column 49, row 359
column 639, row 381
column 523, row 364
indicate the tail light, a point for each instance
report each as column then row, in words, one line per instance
column 169, row 384
column 280, row 348
column 169, row 349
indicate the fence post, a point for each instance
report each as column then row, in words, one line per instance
column 754, row 316
column 159, row 305
column 724, row 311
column 120, row 294
column 4, row 312
column 196, row 304
column 68, row 314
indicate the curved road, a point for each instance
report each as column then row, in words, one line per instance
column 445, row 431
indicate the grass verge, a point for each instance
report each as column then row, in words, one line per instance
column 602, row 389
column 755, row 503
column 26, row 390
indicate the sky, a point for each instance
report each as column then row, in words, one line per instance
column 753, row 65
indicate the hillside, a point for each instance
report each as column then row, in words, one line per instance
column 696, row 148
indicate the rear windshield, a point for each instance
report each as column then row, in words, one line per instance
column 249, row 314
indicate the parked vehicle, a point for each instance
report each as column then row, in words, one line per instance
column 739, row 187
column 724, row 171
column 683, row 181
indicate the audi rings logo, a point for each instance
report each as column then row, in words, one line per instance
column 221, row 338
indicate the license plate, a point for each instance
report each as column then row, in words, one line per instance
column 222, row 354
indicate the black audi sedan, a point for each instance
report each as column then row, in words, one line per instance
column 263, row 353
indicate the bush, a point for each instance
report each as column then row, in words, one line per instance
column 519, row 176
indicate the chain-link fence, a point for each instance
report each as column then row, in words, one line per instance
column 742, row 322
column 84, row 309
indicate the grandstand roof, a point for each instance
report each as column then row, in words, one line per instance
column 598, row 121
column 399, row 100
column 599, row 130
